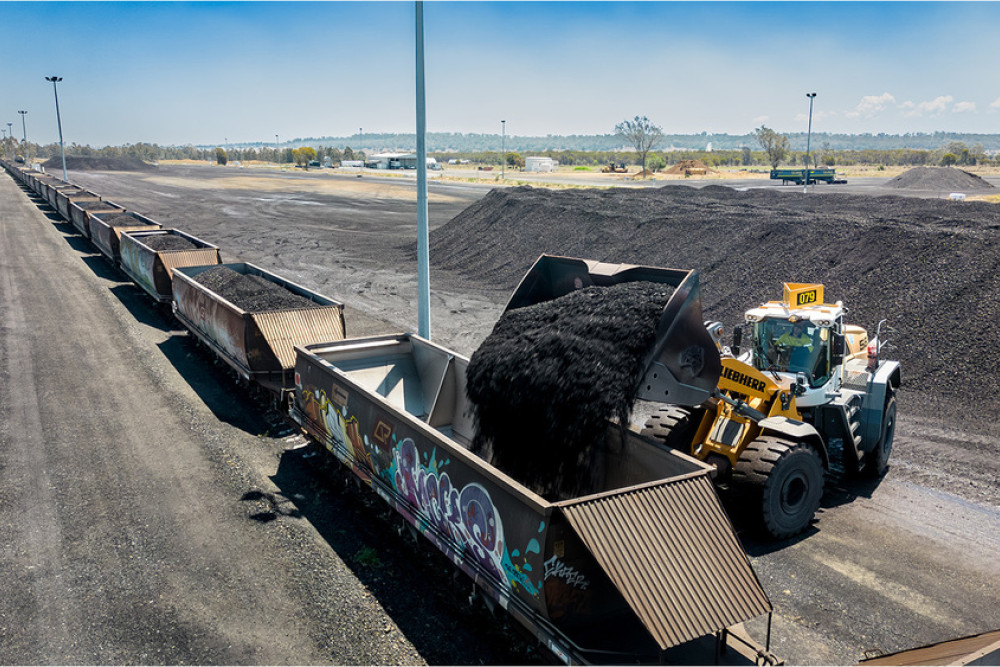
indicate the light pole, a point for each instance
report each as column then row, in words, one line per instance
column 10, row 133
column 811, row 96
column 423, row 245
column 24, row 130
column 277, row 151
column 62, row 146
column 503, row 149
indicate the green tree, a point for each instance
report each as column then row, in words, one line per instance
column 949, row 159
column 303, row 155
column 515, row 160
column 642, row 134
column 774, row 144
column 348, row 153
column 220, row 156
column 656, row 162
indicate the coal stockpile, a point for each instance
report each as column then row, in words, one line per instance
column 548, row 378
column 948, row 179
column 166, row 241
column 931, row 267
column 249, row 292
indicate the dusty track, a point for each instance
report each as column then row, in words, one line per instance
column 906, row 562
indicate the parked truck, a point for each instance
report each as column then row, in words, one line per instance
column 798, row 176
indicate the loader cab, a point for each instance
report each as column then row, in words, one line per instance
column 796, row 346
column 799, row 340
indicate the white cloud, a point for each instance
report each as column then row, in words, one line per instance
column 995, row 104
column 764, row 119
column 963, row 107
column 871, row 105
column 934, row 107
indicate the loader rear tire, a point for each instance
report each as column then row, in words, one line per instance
column 878, row 459
column 786, row 479
column 672, row 426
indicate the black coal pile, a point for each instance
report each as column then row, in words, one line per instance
column 80, row 163
column 550, row 376
column 93, row 205
column 931, row 267
column 167, row 241
column 940, row 179
column 120, row 220
column 249, row 292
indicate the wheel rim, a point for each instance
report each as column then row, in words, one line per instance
column 794, row 492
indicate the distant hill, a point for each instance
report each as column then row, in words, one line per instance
column 440, row 142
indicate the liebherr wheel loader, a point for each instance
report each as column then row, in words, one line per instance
column 810, row 394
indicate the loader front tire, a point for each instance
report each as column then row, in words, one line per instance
column 785, row 478
column 672, row 426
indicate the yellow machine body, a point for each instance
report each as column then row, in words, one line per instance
column 725, row 432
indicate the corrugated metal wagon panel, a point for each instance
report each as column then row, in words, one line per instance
column 654, row 543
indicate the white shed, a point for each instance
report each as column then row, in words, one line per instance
column 539, row 164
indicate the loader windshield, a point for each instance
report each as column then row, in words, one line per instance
column 792, row 347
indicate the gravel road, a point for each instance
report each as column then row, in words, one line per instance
column 149, row 513
column 891, row 565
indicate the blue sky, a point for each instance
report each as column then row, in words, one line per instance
column 204, row 72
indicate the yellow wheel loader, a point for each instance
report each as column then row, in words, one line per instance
column 810, row 394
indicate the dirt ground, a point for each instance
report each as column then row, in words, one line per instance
column 891, row 565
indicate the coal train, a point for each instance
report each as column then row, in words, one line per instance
column 642, row 566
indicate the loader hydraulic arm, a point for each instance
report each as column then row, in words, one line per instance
column 740, row 407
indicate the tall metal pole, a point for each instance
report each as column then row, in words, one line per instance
column 10, row 133
column 503, row 149
column 811, row 96
column 62, row 146
column 423, row 244
column 24, row 131
column 277, row 151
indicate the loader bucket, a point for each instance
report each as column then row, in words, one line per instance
column 683, row 364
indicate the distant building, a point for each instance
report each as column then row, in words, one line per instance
column 545, row 164
column 398, row 161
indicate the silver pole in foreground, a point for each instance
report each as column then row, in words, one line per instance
column 423, row 245
column 503, row 149
column 24, row 131
column 62, row 146
column 805, row 188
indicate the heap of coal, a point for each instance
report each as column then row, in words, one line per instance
column 547, row 380
column 120, row 220
column 92, row 205
column 80, row 163
column 930, row 267
column 949, row 179
column 167, row 241
column 248, row 292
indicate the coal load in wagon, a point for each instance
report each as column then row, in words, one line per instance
column 249, row 292
column 160, row 242
column 547, row 380
column 121, row 220
column 93, row 205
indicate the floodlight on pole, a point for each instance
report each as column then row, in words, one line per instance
column 811, row 96
column 24, row 130
column 62, row 146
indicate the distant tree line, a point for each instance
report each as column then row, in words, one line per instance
column 446, row 142
column 822, row 154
